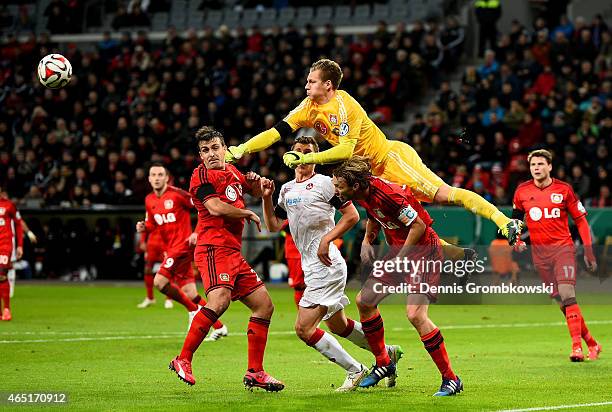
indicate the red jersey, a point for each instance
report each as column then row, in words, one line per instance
column 170, row 214
column 394, row 207
column 546, row 211
column 9, row 218
column 227, row 185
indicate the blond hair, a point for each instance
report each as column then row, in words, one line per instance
column 540, row 153
column 330, row 70
column 355, row 170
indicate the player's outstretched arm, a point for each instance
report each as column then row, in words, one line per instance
column 349, row 218
column 336, row 154
column 273, row 222
column 256, row 143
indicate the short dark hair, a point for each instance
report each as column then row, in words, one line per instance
column 206, row 134
column 306, row 140
column 355, row 170
column 330, row 70
column 541, row 153
column 158, row 164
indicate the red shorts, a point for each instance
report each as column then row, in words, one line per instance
column 556, row 265
column 296, row 274
column 177, row 267
column 5, row 261
column 223, row 267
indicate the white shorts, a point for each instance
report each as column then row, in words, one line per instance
column 327, row 290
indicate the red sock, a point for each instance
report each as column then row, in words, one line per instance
column 374, row 331
column 350, row 325
column 297, row 296
column 175, row 293
column 197, row 332
column 257, row 336
column 574, row 324
column 586, row 335
column 148, row 279
column 5, row 294
column 434, row 344
column 199, row 300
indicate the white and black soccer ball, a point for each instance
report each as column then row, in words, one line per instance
column 54, row 71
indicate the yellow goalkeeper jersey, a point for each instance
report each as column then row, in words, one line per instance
column 342, row 121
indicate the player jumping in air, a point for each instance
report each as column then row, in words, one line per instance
column 309, row 203
column 545, row 202
column 217, row 192
column 9, row 219
column 407, row 229
column 341, row 120
column 168, row 209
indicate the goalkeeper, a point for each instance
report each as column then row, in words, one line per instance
column 341, row 120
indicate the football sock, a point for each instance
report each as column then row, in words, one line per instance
column 478, row 205
column 584, row 331
column 148, row 280
column 354, row 333
column 199, row 300
column 329, row 347
column 574, row 321
column 452, row 252
column 11, row 280
column 434, row 344
column 200, row 326
column 375, row 334
column 257, row 337
column 175, row 293
column 586, row 335
column 5, row 293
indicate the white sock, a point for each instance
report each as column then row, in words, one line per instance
column 11, row 279
column 329, row 347
column 358, row 337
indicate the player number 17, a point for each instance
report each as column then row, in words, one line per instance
column 569, row 271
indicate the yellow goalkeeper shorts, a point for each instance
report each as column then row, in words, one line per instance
column 403, row 166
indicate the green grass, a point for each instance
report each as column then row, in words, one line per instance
column 118, row 368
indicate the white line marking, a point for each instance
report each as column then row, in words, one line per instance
column 554, row 408
column 170, row 335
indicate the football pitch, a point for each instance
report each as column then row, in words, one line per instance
column 92, row 343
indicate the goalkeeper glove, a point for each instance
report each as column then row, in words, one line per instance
column 293, row 159
column 234, row 153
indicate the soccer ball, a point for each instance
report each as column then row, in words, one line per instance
column 54, row 71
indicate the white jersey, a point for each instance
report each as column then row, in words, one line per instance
column 311, row 215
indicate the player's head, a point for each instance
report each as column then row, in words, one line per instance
column 540, row 164
column 158, row 176
column 305, row 144
column 211, row 146
column 325, row 75
column 351, row 178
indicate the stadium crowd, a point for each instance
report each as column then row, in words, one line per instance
column 541, row 87
column 132, row 101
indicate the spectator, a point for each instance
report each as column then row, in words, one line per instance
column 487, row 14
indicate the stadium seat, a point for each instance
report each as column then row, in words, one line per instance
column 399, row 13
column 381, row 12
column 250, row 17
column 160, row 21
column 195, row 19
column 362, row 14
column 305, row 15
column 286, row 16
column 231, row 18
column 342, row 16
column 213, row 18
column 324, row 15
column 267, row 18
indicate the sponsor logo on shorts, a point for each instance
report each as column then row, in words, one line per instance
column 556, row 198
column 168, row 204
column 320, row 127
column 224, row 277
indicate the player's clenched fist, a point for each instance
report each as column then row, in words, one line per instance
column 267, row 187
